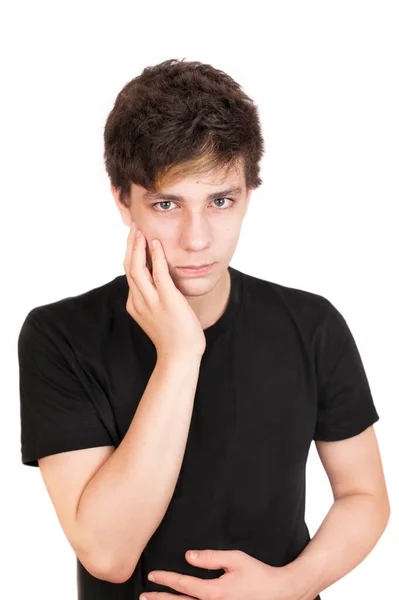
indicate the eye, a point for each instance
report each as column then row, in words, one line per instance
column 215, row 200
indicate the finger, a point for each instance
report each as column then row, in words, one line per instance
column 164, row 596
column 134, row 291
column 187, row 584
column 129, row 247
column 145, row 260
column 138, row 270
column 160, row 273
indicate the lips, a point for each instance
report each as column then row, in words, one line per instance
column 195, row 267
column 190, row 272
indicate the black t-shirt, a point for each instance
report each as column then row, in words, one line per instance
column 280, row 369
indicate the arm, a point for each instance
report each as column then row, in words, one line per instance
column 123, row 504
column 356, row 520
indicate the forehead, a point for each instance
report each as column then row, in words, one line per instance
column 209, row 186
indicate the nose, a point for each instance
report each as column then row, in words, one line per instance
column 195, row 235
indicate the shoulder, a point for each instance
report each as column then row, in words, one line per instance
column 304, row 307
column 75, row 315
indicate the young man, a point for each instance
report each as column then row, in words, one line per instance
column 172, row 410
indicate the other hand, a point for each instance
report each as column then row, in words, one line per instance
column 246, row 578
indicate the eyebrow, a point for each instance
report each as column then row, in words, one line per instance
column 162, row 196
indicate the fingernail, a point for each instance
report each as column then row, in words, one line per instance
column 138, row 233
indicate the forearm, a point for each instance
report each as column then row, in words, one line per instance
column 349, row 532
column 124, row 503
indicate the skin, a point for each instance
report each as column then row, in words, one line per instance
column 194, row 232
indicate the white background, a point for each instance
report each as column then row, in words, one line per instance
column 325, row 78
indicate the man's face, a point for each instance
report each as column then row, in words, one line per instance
column 194, row 230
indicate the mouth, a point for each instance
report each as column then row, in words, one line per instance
column 199, row 270
column 195, row 266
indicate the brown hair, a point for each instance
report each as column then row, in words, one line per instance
column 176, row 119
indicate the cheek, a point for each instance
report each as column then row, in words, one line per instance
column 230, row 233
column 231, row 241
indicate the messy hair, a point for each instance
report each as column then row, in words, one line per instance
column 177, row 119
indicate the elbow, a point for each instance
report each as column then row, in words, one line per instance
column 110, row 572
column 111, row 566
column 120, row 574
column 101, row 569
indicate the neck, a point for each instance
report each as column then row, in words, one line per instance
column 210, row 308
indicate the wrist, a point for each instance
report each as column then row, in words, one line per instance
column 300, row 579
column 181, row 360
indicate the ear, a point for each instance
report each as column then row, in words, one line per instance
column 123, row 210
column 115, row 193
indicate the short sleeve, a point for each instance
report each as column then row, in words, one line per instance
column 345, row 403
column 56, row 412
